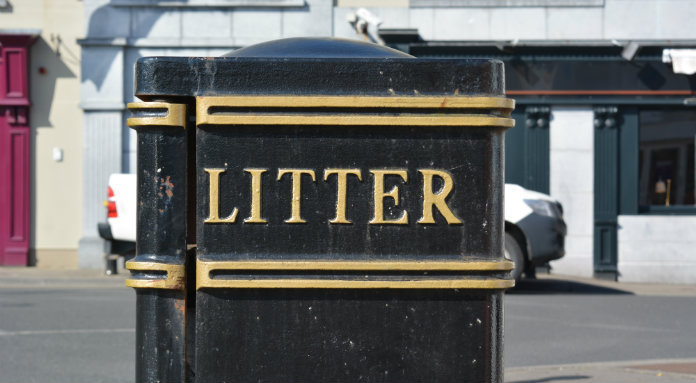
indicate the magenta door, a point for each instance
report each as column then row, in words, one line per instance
column 14, row 150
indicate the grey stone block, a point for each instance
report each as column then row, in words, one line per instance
column 312, row 20
column 102, row 20
column 153, row 22
column 255, row 26
column 462, row 24
column 518, row 23
column 575, row 23
column 631, row 20
column 90, row 253
column 207, row 23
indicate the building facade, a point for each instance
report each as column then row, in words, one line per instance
column 604, row 124
column 40, row 132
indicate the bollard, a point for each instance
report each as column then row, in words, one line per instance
column 319, row 210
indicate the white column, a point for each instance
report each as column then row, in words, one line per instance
column 572, row 183
column 102, row 102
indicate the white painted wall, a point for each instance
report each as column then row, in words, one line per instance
column 659, row 249
column 572, row 182
column 116, row 36
column 617, row 19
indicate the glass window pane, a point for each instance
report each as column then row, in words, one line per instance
column 666, row 173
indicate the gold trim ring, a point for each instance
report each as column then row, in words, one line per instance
column 204, row 269
column 429, row 102
column 293, row 113
column 174, row 280
column 175, row 114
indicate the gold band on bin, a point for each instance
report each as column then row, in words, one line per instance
column 175, row 115
column 289, row 117
column 175, row 279
column 204, row 269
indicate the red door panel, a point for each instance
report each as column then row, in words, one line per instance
column 14, row 150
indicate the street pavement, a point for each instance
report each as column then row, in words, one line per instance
column 668, row 371
column 78, row 326
column 566, row 329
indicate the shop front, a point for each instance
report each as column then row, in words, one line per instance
column 608, row 129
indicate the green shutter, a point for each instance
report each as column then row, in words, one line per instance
column 628, row 161
column 514, row 149
column 606, row 191
column 538, row 149
column 527, row 149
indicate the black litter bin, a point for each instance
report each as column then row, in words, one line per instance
column 319, row 210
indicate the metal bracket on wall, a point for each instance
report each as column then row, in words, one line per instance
column 537, row 116
column 606, row 117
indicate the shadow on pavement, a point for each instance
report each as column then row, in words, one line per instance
column 561, row 286
column 551, row 379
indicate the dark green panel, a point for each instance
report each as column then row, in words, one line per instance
column 537, row 149
column 606, row 207
column 628, row 161
column 527, row 149
column 515, row 149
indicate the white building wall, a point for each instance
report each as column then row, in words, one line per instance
column 118, row 33
column 659, row 249
column 571, row 141
column 615, row 19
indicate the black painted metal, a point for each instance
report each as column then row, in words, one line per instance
column 350, row 336
column 203, row 76
column 472, row 156
column 316, row 48
column 161, row 238
column 318, row 335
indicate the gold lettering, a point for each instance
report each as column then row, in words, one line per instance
column 437, row 200
column 296, row 191
column 255, row 215
column 379, row 196
column 214, row 204
column 341, row 176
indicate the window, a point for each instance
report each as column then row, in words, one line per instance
column 666, row 158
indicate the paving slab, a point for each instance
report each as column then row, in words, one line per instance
column 33, row 277
column 663, row 371
column 558, row 283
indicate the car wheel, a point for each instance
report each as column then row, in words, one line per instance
column 513, row 253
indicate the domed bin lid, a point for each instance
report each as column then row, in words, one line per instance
column 326, row 66
column 317, row 47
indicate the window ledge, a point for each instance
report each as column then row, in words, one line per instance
column 208, row 3
column 668, row 210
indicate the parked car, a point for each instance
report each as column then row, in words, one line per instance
column 534, row 227
column 118, row 231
